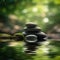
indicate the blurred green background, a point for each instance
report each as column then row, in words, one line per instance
column 14, row 14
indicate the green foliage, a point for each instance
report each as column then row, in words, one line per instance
column 32, row 10
column 57, row 58
column 54, row 49
column 9, row 6
column 16, row 52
